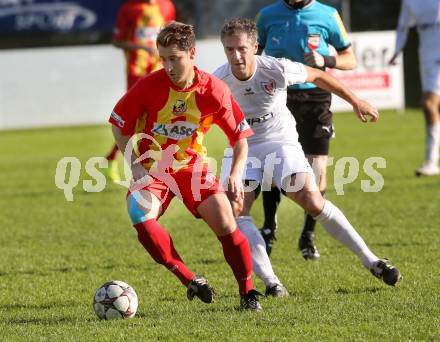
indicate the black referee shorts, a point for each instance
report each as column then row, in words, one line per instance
column 311, row 110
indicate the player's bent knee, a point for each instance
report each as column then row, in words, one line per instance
column 217, row 213
column 314, row 204
column 140, row 209
column 430, row 103
column 311, row 201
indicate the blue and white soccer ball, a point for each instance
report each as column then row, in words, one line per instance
column 115, row 300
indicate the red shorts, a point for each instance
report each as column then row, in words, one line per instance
column 192, row 186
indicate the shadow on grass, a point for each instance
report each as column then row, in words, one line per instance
column 209, row 261
column 13, row 193
column 45, row 306
column 109, row 188
column 345, row 291
column 41, row 321
column 168, row 299
column 30, row 194
column 24, row 272
column 401, row 244
column 71, row 270
column 200, row 309
column 48, row 272
column 217, row 308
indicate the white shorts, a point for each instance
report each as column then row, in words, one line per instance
column 430, row 75
column 269, row 163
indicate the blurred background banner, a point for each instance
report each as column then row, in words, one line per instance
column 57, row 67
column 45, row 22
column 38, row 23
column 53, row 16
column 373, row 79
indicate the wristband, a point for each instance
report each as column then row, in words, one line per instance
column 329, row 61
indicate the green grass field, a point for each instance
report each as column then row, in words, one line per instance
column 54, row 253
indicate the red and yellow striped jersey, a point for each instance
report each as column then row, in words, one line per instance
column 139, row 23
column 176, row 118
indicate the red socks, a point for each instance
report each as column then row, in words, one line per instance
column 112, row 154
column 238, row 255
column 159, row 244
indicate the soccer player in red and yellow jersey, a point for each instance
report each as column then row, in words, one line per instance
column 137, row 24
column 168, row 113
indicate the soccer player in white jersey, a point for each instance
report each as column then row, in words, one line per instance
column 425, row 15
column 258, row 84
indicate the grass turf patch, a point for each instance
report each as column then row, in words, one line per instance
column 56, row 253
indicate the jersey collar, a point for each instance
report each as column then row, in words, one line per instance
column 305, row 4
column 250, row 78
column 196, row 83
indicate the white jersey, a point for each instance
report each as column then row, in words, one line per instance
column 425, row 15
column 262, row 98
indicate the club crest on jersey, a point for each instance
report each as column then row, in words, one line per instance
column 313, row 40
column 269, row 87
column 179, row 107
column 176, row 131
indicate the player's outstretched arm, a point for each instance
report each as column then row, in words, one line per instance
column 344, row 60
column 240, row 151
column 327, row 82
column 363, row 109
column 120, row 139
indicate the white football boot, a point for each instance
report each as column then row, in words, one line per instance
column 428, row 169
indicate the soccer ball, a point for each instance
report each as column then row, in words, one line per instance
column 115, row 300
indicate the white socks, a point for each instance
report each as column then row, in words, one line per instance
column 432, row 144
column 337, row 225
column 260, row 260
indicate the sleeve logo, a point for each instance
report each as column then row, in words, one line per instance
column 244, row 126
column 119, row 121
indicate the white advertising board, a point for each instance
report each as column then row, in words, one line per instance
column 71, row 85
column 373, row 79
column 80, row 85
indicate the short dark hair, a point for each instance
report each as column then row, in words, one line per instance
column 240, row 25
column 177, row 33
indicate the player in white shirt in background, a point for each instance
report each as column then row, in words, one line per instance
column 259, row 85
column 425, row 15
